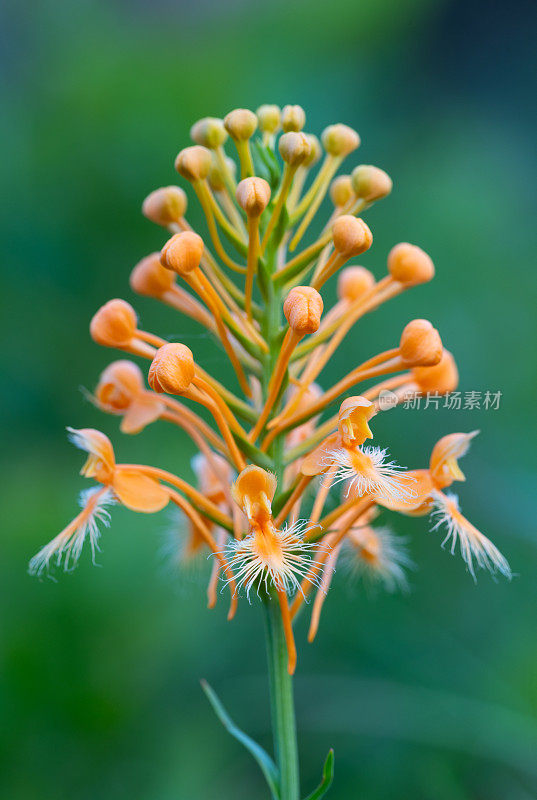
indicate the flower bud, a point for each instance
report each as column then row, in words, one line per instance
column 172, row 369
column 193, row 163
column 120, row 382
column 165, row 205
column 410, row 265
column 253, row 196
column 150, row 278
column 114, row 324
column 216, row 177
column 182, row 253
column 294, row 148
column 370, row 183
column 303, row 307
column 340, row 140
column 315, row 150
column 341, row 190
column 293, row 118
column 209, row 132
column 269, row 118
column 241, row 124
column 351, row 236
column 442, row 378
column 353, row 282
column 420, row 344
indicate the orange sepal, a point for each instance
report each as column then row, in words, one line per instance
column 420, row 503
column 144, row 410
column 138, row 492
column 318, row 461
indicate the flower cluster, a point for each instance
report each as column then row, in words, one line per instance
column 272, row 443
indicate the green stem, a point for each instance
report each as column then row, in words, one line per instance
column 281, row 683
column 282, row 703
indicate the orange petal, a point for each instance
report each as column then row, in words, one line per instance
column 317, row 461
column 141, row 412
column 420, row 502
column 446, row 452
column 253, row 492
column 138, row 492
column 101, row 461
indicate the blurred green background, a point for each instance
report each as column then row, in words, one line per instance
column 430, row 695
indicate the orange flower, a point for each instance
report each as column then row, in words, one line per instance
column 121, row 391
column 443, row 471
column 268, row 557
column 366, row 470
column 118, row 484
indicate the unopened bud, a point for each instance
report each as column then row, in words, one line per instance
column 150, row 278
column 216, row 177
column 209, row 132
column 294, row 148
column 303, row 307
column 269, row 118
column 341, row 191
column 253, row 196
column 119, row 383
column 182, row 253
column 165, row 205
column 410, row 265
column 442, row 378
column 371, row 183
column 241, row 123
column 340, row 140
column 420, row 345
column 193, row 163
column 293, row 118
column 351, row 236
column 353, row 282
column 172, row 369
column 114, row 324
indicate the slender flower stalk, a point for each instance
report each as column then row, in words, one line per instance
column 273, row 445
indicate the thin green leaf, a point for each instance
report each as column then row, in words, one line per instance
column 267, row 765
column 328, row 777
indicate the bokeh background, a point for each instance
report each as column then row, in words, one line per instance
column 430, row 695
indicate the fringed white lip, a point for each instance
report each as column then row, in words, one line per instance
column 392, row 559
column 285, row 571
column 67, row 546
column 385, row 479
column 473, row 545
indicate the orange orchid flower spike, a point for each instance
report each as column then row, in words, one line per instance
column 273, row 443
